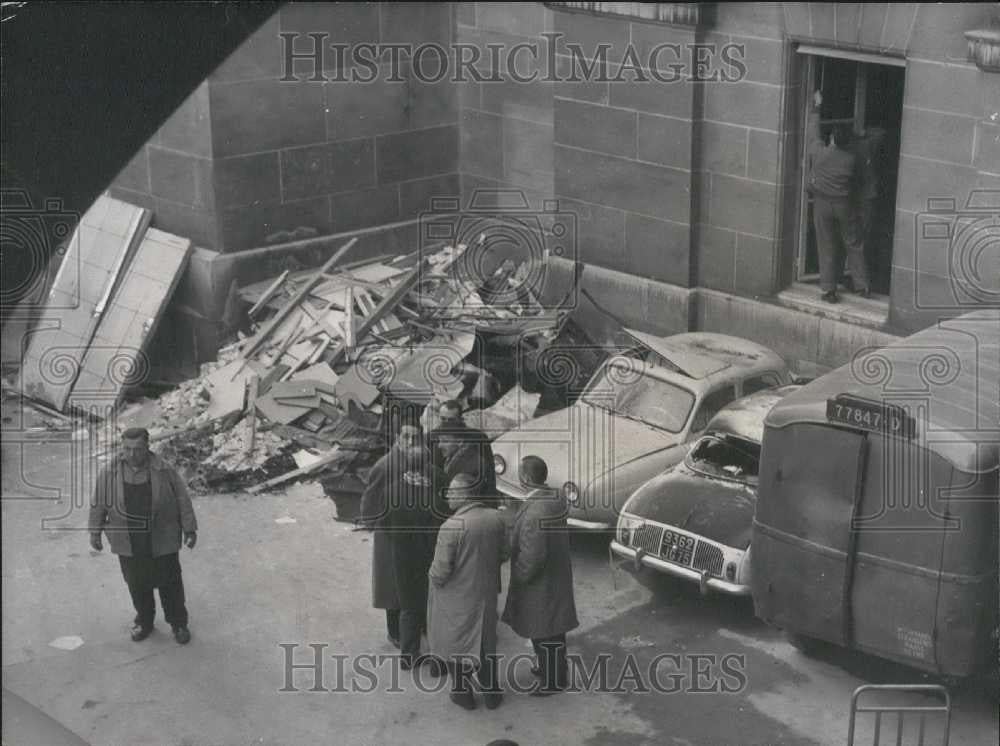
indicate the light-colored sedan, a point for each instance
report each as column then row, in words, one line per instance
column 694, row 521
column 634, row 418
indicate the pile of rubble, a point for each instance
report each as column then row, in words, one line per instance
column 337, row 352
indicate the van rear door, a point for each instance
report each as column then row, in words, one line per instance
column 802, row 546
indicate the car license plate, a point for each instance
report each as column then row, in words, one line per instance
column 678, row 548
column 874, row 417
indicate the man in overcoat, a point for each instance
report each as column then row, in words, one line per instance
column 404, row 506
column 143, row 505
column 460, row 449
column 540, row 603
column 465, row 581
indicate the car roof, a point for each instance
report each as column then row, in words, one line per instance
column 745, row 417
column 949, row 371
column 700, row 355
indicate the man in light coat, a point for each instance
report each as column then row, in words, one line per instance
column 142, row 504
column 540, row 603
column 465, row 581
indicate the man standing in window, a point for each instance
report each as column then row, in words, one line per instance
column 833, row 183
column 142, row 504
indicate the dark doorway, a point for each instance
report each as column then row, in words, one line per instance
column 869, row 96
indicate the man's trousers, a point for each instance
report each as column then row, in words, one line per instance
column 142, row 575
column 837, row 231
column 552, row 664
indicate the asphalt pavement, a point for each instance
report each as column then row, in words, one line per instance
column 278, row 575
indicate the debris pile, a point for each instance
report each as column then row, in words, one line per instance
column 335, row 353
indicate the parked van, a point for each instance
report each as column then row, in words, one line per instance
column 877, row 521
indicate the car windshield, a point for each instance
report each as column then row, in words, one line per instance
column 623, row 388
column 726, row 456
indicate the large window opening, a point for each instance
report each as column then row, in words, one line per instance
column 868, row 96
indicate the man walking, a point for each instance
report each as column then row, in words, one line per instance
column 143, row 505
column 402, row 504
column 833, row 182
column 465, row 581
column 540, row 603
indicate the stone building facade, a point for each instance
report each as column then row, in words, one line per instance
column 687, row 195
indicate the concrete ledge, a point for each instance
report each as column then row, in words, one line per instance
column 647, row 305
column 811, row 344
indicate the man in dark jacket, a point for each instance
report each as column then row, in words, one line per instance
column 143, row 505
column 460, row 449
column 834, row 182
column 404, row 505
column 540, row 603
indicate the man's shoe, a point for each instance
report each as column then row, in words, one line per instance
column 492, row 700
column 182, row 635
column 394, row 641
column 140, row 633
column 830, row 296
column 465, row 700
column 406, row 662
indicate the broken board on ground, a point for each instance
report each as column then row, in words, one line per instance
column 98, row 250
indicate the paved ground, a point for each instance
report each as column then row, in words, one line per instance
column 254, row 583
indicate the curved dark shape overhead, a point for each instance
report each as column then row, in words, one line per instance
column 84, row 85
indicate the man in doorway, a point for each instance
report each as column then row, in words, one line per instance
column 142, row 504
column 834, row 176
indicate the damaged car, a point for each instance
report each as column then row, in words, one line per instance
column 634, row 418
column 694, row 521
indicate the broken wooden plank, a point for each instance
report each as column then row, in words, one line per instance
column 315, row 280
column 279, row 412
column 250, row 293
column 320, row 372
column 387, row 304
column 308, row 359
column 252, row 386
column 319, row 351
column 268, row 294
column 328, row 458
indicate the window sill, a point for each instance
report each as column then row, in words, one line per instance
column 869, row 312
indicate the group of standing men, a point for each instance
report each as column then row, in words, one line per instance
column 440, row 538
